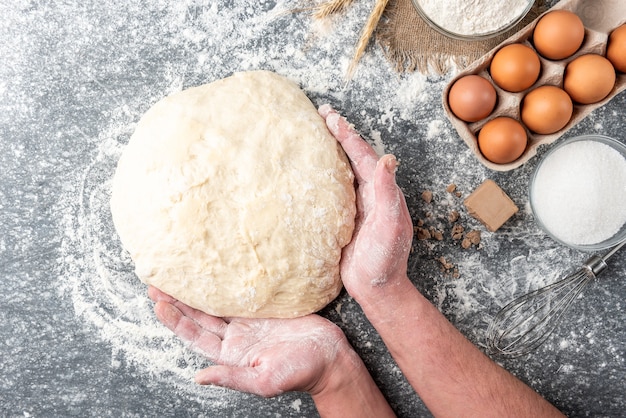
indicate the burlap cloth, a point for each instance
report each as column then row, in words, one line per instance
column 411, row 44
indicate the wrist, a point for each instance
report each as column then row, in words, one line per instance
column 345, row 367
column 348, row 390
column 380, row 292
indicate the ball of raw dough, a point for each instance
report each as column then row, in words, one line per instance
column 234, row 198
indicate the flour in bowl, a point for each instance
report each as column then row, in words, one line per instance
column 473, row 17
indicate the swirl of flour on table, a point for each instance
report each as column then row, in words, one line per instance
column 107, row 296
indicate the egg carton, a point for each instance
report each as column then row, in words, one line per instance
column 599, row 17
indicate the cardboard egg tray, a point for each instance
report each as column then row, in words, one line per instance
column 599, row 17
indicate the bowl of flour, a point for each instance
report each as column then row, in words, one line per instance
column 472, row 19
column 578, row 192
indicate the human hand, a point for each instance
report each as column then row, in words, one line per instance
column 262, row 356
column 379, row 250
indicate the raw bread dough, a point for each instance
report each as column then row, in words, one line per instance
column 234, row 198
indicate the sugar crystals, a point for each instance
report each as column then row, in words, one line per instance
column 579, row 192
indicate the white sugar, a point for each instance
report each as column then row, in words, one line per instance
column 579, row 192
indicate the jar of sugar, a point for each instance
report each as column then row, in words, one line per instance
column 578, row 192
column 472, row 20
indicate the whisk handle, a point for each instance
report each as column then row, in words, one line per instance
column 613, row 250
column 595, row 264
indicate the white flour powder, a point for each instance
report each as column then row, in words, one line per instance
column 473, row 17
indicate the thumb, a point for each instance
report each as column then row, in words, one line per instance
column 386, row 192
column 243, row 379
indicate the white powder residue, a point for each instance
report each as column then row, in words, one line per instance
column 473, row 17
column 434, row 128
column 377, row 143
column 579, row 192
column 107, row 294
column 295, row 405
column 98, row 275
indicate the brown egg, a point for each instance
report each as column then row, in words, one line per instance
column 515, row 67
column 472, row 98
column 616, row 50
column 546, row 109
column 558, row 34
column 589, row 78
column 502, row 140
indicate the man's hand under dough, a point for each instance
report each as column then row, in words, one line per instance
column 270, row 356
column 262, row 356
column 380, row 246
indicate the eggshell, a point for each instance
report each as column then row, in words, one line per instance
column 502, row 140
column 558, row 34
column 601, row 19
column 616, row 50
column 589, row 78
column 515, row 67
column 546, row 109
column 472, row 98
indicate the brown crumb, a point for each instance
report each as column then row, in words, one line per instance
column 471, row 238
column 474, row 236
column 458, row 194
column 436, row 234
column 448, row 267
column 420, row 222
column 453, row 216
column 422, row 233
column 457, row 232
column 451, row 188
column 427, row 196
column 445, row 263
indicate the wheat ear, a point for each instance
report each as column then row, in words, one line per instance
column 331, row 7
column 366, row 34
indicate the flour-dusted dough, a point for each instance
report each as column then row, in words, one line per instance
column 234, row 198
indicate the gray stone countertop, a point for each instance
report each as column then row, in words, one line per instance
column 77, row 332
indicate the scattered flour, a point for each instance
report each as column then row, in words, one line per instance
column 97, row 274
column 434, row 128
column 120, row 62
column 295, row 405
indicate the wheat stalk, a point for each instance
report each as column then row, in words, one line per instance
column 366, row 34
column 331, row 7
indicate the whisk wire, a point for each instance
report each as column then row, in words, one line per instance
column 524, row 324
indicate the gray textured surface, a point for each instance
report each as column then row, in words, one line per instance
column 77, row 336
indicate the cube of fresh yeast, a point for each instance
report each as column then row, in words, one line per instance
column 490, row 205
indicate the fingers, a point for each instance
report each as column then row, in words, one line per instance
column 212, row 323
column 243, row 379
column 189, row 330
column 390, row 202
column 157, row 295
column 361, row 154
column 385, row 188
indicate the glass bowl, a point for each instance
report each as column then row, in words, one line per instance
column 455, row 33
column 566, row 169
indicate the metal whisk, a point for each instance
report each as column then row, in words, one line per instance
column 525, row 323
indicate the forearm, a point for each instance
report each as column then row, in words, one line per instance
column 350, row 391
column 450, row 374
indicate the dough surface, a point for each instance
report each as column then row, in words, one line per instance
column 234, row 198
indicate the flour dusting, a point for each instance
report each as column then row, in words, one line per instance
column 75, row 79
column 98, row 274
